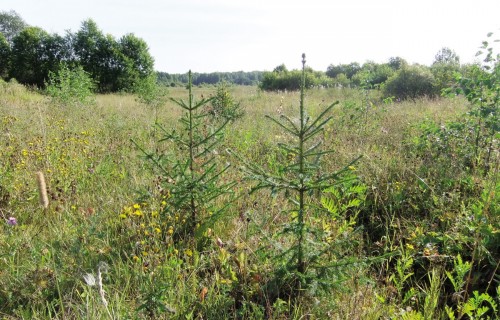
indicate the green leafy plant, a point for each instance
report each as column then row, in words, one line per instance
column 223, row 106
column 70, row 86
column 282, row 79
column 151, row 94
column 460, row 270
column 410, row 82
column 481, row 86
column 479, row 306
column 402, row 276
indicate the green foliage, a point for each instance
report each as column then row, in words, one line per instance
column 35, row 53
column 348, row 69
column 281, row 79
column 71, row 86
column 29, row 64
column 223, row 106
column 97, row 54
column 239, row 78
column 151, row 93
column 460, row 270
column 444, row 68
column 304, row 261
column 479, row 305
column 369, row 75
column 432, row 294
column 193, row 177
column 401, row 278
column 135, row 61
column 481, row 86
column 397, row 63
column 447, row 56
column 343, row 202
column 423, row 190
column 410, row 82
column 4, row 57
column 11, row 24
column 341, row 80
column 114, row 65
column 372, row 75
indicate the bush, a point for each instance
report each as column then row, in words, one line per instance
column 410, row 82
column 70, row 86
column 223, row 106
column 282, row 79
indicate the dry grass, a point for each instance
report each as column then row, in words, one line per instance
column 93, row 170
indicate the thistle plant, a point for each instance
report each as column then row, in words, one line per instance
column 192, row 177
column 300, row 179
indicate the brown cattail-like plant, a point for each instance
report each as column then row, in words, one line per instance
column 42, row 190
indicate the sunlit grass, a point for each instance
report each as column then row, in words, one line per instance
column 102, row 204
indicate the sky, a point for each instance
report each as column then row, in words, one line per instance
column 249, row 35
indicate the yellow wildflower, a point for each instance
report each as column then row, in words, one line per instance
column 138, row 213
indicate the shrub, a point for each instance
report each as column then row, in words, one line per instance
column 282, row 79
column 150, row 93
column 70, row 86
column 223, row 105
column 480, row 84
column 410, row 82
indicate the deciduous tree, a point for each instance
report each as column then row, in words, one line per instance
column 11, row 24
column 29, row 57
column 4, row 57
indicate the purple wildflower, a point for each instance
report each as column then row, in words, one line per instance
column 12, row 221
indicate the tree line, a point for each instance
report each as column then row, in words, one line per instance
column 396, row 78
column 243, row 78
column 30, row 54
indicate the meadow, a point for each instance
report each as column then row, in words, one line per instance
column 412, row 232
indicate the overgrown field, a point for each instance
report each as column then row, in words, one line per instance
column 411, row 230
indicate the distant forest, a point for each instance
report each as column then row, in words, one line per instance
column 239, row 77
column 32, row 56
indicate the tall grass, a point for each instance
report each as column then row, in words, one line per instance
column 95, row 176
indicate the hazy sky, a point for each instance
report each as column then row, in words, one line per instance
column 233, row 35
